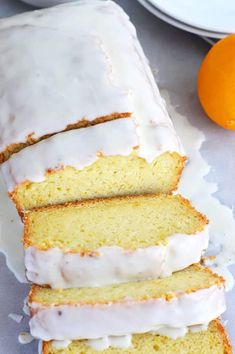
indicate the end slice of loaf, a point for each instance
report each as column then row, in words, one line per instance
column 122, row 239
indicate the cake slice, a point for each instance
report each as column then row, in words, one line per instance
column 108, row 241
column 212, row 341
column 99, row 161
column 80, row 64
column 194, row 296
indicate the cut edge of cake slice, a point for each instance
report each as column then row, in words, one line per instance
column 126, row 239
column 87, row 163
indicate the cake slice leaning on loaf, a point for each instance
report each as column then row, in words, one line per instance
column 110, row 241
column 212, row 341
column 98, row 161
column 169, row 306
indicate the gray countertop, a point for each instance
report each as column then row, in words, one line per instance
column 177, row 56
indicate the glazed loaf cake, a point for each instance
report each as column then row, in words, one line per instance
column 168, row 306
column 212, row 341
column 98, row 161
column 110, row 241
column 86, row 143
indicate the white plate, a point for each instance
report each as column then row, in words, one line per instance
column 172, row 21
column 211, row 15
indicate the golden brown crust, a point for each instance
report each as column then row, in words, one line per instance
column 33, row 291
column 12, row 196
column 83, row 123
column 219, row 281
column 46, row 347
column 226, row 342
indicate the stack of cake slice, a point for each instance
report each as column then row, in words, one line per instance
column 90, row 159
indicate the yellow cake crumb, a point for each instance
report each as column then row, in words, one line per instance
column 128, row 222
column 108, row 176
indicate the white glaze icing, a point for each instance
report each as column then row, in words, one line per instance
column 61, row 344
column 198, row 328
column 15, row 317
column 77, row 148
column 26, row 307
column 25, row 338
column 10, row 224
column 96, row 67
column 113, row 265
column 125, row 342
column 127, row 317
column 122, row 342
column 202, row 195
column 40, row 347
column 175, row 333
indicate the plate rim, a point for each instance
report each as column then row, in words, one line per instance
column 182, row 20
column 178, row 24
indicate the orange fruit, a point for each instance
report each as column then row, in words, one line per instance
column 216, row 83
